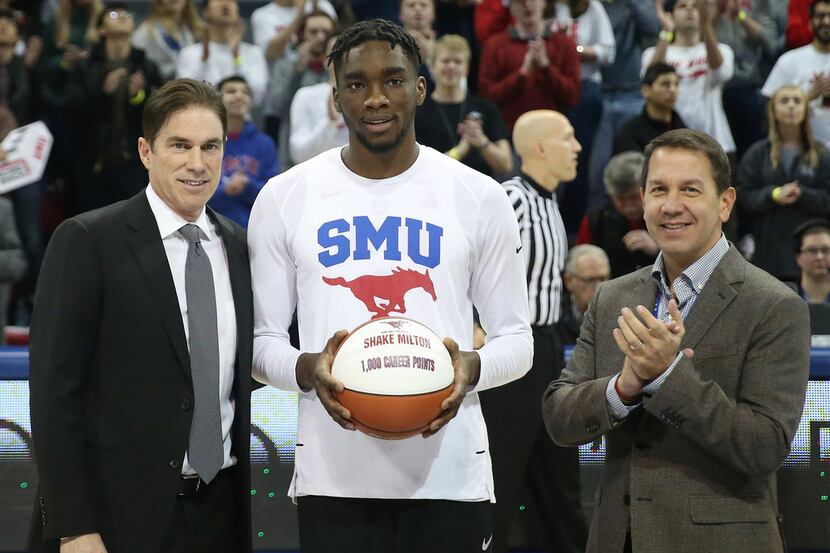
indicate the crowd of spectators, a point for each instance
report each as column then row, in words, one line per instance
column 754, row 74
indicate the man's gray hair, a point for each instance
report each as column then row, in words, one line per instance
column 582, row 250
column 623, row 173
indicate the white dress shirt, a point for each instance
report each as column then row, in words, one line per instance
column 175, row 246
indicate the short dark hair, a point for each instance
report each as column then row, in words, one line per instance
column 814, row 4
column 374, row 29
column 694, row 141
column 232, row 79
column 813, row 226
column 655, row 70
column 175, row 96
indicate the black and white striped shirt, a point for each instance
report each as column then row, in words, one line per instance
column 544, row 244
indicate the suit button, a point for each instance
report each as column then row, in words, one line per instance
column 174, row 463
column 627, row 499
column 591, row 425
column 186, row 404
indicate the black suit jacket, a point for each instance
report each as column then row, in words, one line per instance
column 111, row 392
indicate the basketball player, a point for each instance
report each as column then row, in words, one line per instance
column 444, row 238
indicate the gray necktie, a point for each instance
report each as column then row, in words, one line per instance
column 205, row 450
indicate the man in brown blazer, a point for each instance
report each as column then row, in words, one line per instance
column 695, row 371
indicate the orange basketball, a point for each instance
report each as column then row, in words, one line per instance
column 396, row 372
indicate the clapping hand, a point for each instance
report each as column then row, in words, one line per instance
column 790, row 192
column 236, row 36
column 112, row 80
column 472, row 132
column 666, row 19
column 650, row 345
column 640, row 240
column 135, row 84
column 236, row 184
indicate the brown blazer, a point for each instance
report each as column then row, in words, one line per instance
column 693, row 470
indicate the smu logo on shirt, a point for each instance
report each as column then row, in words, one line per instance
column 693, row 69
column 383, row 294
column 247, row 164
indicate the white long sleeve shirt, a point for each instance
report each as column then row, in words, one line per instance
column 700, row 92
column 312, row 130
column 268, row 20
column 452, row 226
column 222, row 64
column 592, row 28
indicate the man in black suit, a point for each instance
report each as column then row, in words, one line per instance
column 141, row 351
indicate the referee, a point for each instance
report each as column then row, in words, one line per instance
column 520, row 449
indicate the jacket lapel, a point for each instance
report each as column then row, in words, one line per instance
column 716, row 295
column 645, row 293
column 145, row 243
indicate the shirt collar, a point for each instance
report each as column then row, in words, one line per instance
column 695, row 276
column 169, row 222
column 536, row 186
column 673, row 123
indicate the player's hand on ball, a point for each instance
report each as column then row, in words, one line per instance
column 466, row 365
column 327, row 386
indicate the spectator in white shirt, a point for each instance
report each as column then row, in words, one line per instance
column 170, row 26
column 302, row 66
column 587, row 23
column 702, row 64
column 417, row 18
column 808, row 68
column 276, row 24
column 316, row 125
column 276, row 27
column 222, row 52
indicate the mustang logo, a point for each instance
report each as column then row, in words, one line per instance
column 383, row 294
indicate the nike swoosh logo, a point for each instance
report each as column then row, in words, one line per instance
column 329, row 193
column 518, row 249
column 485, row 544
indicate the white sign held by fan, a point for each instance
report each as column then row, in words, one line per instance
column 27, row 151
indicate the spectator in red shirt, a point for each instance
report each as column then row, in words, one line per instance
column 529, row 67
column 799, row 32
column 491, row 17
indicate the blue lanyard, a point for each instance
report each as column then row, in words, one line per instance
column 656, row 311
